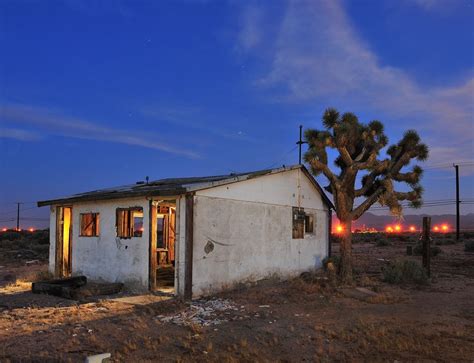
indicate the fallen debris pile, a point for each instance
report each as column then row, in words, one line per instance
column 202, row 312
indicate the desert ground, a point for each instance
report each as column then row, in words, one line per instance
column 308, row 318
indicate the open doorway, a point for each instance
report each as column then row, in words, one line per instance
column 162, row 245
column 63, row 241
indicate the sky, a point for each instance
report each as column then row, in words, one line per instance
column 96, row 94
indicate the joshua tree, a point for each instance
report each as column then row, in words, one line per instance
column 359, row 146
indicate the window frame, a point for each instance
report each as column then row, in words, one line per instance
column 95, row 224
column 311, row 218
column 128, row 230
column 298, row 219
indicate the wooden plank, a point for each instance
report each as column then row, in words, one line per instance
column 152, row 246
column 188, row 253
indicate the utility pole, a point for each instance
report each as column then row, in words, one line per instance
column 458, row 202
column 18, row 216
column 299, row 143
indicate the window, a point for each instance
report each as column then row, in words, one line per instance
column 309, row 223
column 89, row 224
column 298, row 223
column 129, row 222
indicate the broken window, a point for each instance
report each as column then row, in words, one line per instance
column 309, row 223
column 129, row 222
column 298, row 223
column 89, row 224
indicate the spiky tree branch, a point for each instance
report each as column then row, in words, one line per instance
column 359, row 146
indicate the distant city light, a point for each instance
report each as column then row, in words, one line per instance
column 436, row 228
column 4, row 229
column 444, row 227
column 389, row 229
column 31, row 229
column 398, row 228
column 339, row 229
column 412, row 229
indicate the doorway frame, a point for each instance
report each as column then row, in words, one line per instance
column 60, row 270
column 152, row 235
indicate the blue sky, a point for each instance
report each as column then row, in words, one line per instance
column 101, row 93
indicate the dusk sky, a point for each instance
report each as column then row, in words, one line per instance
column 96, row 94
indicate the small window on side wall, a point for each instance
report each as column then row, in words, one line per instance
column 89, row 225
column 298, row 223
column 309, row 223
column 129, row 222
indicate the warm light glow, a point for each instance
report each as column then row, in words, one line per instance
column 4, row 229
column 142, row 229
column 436, row 228
column 412, row 229
column 398, row 228
column 339, row 229
column 31, row 229
column 18, row 229
column 444, row 227
column 389, row 229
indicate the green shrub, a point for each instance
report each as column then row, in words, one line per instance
column 404, row 271
column 418, row 250
column 445, row 241
column 382, row 242
column 469, row 246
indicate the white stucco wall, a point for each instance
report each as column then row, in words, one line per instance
column 108, row 257
column 52, row 239
column 249, row 225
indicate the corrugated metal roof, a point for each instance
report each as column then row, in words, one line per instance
column 174, row 186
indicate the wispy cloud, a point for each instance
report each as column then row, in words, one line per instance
column 191, row 118
column 317, row 55
column 19, row 134
column 55, row 123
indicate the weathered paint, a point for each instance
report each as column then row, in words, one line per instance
column 108, row 257
column 243, row 231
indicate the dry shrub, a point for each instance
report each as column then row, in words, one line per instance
column 404, row 271
column 469, row 246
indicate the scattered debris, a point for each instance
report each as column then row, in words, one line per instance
column 201, row 312
column 75, row 288
column 32, row 262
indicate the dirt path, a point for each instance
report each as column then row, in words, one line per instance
column 272, row 321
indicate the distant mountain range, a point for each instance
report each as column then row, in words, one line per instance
column 379, row 222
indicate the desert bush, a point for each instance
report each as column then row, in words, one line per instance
column 335, row 260
column 445, row 241
column 335, row 239
column 418, row 250
column 382, row 242
column 469, row 246
column 468, row 235
column 404, row 271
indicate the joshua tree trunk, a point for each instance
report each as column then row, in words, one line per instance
column 345, row 267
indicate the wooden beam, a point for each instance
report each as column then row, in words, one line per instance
column 189, row 242
column 152, row 246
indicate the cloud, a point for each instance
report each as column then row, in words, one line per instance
column 19, row 134
column 317, row 55
column 55, row 123
column 187, row 117
column 251, row 34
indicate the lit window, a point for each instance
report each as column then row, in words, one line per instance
column 89, row 224
column 129, row 222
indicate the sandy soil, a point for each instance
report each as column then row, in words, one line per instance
column 286, row 321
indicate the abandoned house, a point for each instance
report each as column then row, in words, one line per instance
column 193, row 236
